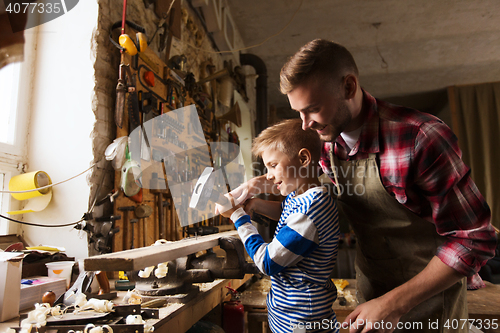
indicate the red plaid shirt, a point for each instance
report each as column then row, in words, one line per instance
column 420, row 165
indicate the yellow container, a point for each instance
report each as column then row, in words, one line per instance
column 29, row 181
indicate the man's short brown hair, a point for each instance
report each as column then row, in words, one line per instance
column 289, row 138
column 320, row 58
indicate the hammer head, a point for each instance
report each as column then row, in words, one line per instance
column 204, row 190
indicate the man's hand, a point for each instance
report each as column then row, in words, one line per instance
column 250, row 206
column 270, row 209
column 390, row 307
column 376, row 315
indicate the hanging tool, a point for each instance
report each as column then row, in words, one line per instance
column 121, row 86
column 125, row 45
column 126, row 211
column 167, row 83
column 132, row 227
column 103, row 232
column 120, row 96
column 133, row 102
column 142, row 212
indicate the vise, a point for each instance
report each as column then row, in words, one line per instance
column 184, row 271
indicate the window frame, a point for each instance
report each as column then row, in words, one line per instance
column 14, row 157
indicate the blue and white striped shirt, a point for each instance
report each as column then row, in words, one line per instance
column 299, row 260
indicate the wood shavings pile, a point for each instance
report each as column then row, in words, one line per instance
column 341, row 284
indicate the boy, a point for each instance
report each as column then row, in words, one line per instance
column 303, row 251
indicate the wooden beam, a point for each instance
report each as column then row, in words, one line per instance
column 135, row 259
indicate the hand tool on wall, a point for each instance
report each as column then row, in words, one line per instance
column 161, row 226
column 166, row 207
column 125, row 45
column 167, row 83
column 121, row 89
column 103, row 233
column 143, row 212
column 126, row 211
column 133, row 102
column 121, row 86
column 159, row 187
column 132, row 227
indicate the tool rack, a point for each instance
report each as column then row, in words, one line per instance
column 164, row 222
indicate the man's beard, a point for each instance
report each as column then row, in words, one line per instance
column 340, row 123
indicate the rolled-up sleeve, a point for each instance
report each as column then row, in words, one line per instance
column 459, row 211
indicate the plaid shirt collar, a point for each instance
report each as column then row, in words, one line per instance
column 368, row 141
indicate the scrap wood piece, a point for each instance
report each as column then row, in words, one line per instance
column 136, row 259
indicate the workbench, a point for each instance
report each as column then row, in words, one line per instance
column 179, row 317
column 482, row 304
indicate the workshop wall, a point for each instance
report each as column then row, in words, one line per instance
column 59, row 140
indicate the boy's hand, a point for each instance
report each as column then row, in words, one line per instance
column 227, row 209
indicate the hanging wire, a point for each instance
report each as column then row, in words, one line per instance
column 42, row 225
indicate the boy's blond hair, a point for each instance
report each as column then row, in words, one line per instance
column 289, row 138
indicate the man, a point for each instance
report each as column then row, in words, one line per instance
column 421, row 223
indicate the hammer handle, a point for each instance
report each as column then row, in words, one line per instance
column 103, row 281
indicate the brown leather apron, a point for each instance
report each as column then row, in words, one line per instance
column 393, row 245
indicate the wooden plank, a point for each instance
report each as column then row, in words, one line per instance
column 135, row 259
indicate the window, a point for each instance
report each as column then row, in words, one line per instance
column 15, row 82
column 13, row 111
column 9, row 87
